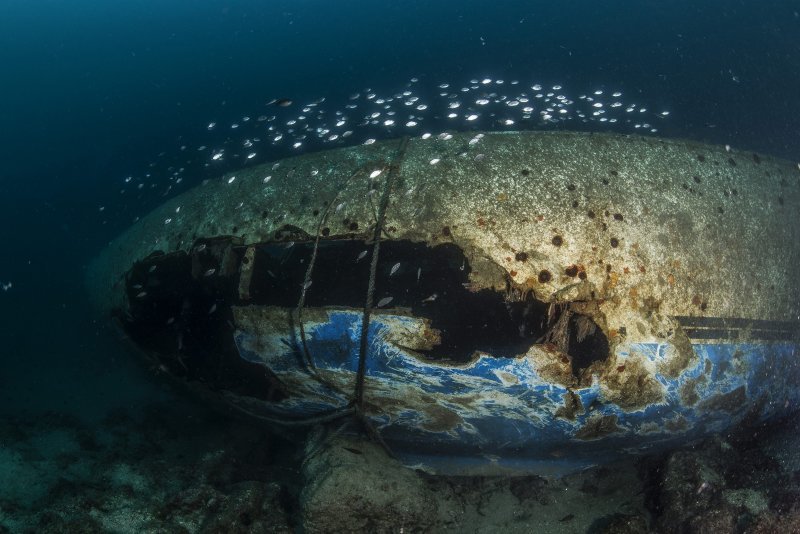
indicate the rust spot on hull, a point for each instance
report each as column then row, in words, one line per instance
column 598, row 426
column 678, row 424
column 688, row 393
column 441, row 419
column 680, row 357
column 572, row 406
column 634, row 387
column 727, row 402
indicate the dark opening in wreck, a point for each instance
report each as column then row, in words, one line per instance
column 180, row 305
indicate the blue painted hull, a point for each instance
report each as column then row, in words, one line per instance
column 496, row 415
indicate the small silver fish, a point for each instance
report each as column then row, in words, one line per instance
column 394, row 268
column 704, row 486
column 210, row 272
column 384, row 301
column 141, row 295
column 151, row 269
column 200, row 248
column 361, row 256
column 213, row 308
column 431, row 298
column 307, row 284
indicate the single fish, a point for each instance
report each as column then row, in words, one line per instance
column 280, row 102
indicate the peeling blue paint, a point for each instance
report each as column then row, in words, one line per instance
column 496, row 415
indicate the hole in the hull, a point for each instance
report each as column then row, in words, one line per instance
column 587, row 343
column 185, row 311
column 183, row 322
column 577, row 336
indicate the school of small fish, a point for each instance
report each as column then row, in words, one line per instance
column 285, row 127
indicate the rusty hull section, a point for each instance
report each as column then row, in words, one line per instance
column 651, row 287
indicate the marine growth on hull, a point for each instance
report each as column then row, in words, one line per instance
column 180, row 306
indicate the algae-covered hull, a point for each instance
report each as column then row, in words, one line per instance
column 517, row 302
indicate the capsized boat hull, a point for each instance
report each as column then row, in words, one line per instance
column 542, row 302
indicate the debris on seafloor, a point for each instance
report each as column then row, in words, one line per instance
column 743, row 482
column 176, row 469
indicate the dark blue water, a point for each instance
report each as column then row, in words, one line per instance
column 92, row 92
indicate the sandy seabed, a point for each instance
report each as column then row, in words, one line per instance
column 175, row 467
